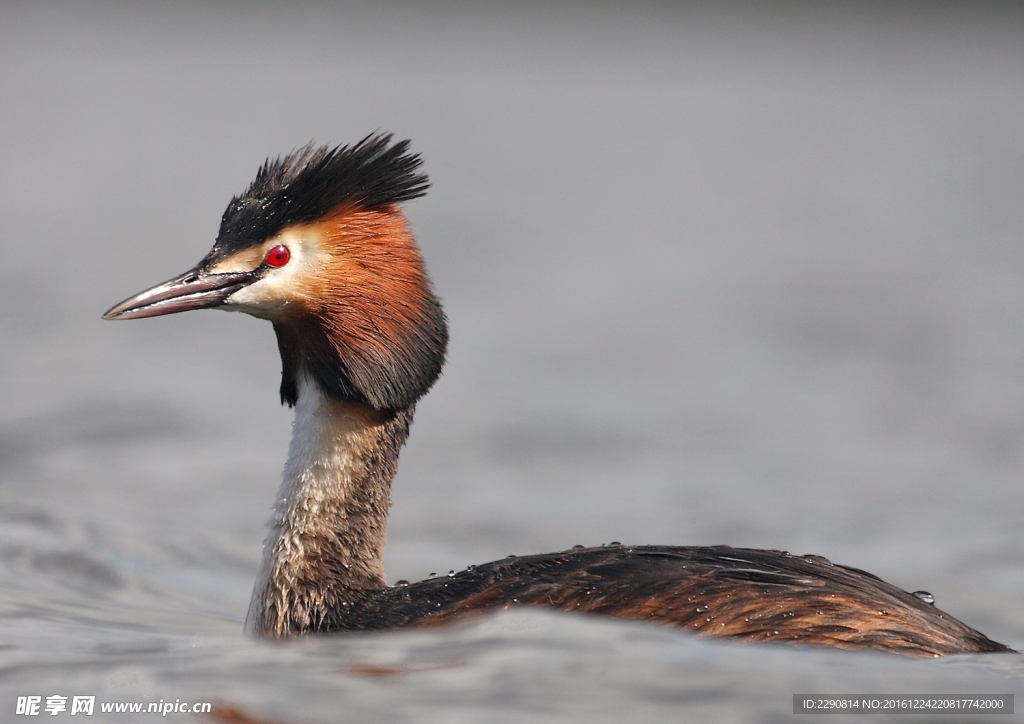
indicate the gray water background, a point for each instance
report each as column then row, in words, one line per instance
column 716, row 273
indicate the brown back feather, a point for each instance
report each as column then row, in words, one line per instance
column 751, row 595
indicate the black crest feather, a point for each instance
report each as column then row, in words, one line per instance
column 308, row 183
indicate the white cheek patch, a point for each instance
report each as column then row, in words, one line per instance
column 243, row 261
column 281, row 288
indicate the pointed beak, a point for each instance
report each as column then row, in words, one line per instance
column 194, row 289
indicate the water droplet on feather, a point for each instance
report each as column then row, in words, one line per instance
column 925, row 596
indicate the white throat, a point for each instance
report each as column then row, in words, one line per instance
column 329, row 522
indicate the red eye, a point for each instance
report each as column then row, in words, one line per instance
column 278, row 256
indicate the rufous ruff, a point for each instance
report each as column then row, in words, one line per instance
column 318, row 246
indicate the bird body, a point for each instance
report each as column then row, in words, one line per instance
column 318, row 246
column 741, row 593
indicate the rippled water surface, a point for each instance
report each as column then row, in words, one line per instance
column 715, row 274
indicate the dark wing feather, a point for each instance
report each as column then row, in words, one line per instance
column 755, row 595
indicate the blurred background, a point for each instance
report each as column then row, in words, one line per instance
column 733, row 273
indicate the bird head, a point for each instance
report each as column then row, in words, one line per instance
column 318, row 246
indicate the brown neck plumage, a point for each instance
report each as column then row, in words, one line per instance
column 362, row 340
column 366, row 325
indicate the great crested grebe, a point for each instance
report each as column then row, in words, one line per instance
column 318, row 246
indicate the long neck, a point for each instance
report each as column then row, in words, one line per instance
column 329, row 524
